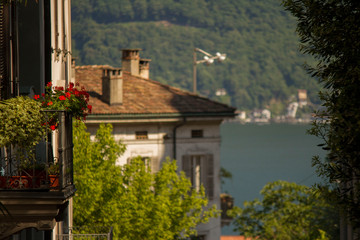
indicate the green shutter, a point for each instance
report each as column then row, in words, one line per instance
column 186, row 165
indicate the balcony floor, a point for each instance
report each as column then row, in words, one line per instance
column 38, row 209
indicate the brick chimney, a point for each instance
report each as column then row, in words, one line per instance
column 131, row 61
column 112, row 86
column 144, row 68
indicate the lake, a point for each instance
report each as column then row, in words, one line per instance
column 258, row 154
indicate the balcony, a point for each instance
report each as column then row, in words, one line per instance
column 35, row 190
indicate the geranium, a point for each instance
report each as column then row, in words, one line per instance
column 71, row 99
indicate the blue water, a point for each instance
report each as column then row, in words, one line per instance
column 258, row 154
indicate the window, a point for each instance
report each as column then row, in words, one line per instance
column 197, row 133
column 200, row 170
column 141, row 135
column 147, row 160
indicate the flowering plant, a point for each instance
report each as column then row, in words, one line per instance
column 71, row 99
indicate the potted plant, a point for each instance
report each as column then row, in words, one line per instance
column 73, row 99
column 53, row 172
column 21, row 125
column 21, row 128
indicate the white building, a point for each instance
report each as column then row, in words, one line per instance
column 157, row 121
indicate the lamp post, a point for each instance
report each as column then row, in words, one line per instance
column 208, row 59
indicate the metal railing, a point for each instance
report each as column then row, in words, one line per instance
column 78, row 233
column 49, row 167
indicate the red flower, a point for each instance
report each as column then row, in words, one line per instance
column 36, row 97
column 62, row 98
column 59, row 88
column 49, row 84
column 90, row 108
column 50, row 103
column 68, row 95
column 43, row 94
column 53, row 127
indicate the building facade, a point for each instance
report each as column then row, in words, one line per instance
column 156, row 121
column 35, row 49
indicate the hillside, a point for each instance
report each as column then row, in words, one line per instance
column 263, row 67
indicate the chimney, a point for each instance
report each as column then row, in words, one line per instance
column 131, row 61
column 112, row 86
column 144, row 68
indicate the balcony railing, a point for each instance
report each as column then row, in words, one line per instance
column 50, row 168
column 95, row 233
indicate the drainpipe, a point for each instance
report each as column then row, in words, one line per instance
column 174, row 136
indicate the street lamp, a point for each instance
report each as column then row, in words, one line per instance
column 208, row 59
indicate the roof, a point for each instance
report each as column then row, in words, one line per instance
column 145, row 97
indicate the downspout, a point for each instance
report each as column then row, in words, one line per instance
column 174, row 136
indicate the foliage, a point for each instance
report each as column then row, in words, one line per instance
column 71, row 99
column 258, row 37
column 136, row 202
column 225, row 174
column 329, row 31
column 287, row 211
column 21, row 123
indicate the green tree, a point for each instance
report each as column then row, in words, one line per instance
column 287, row 211
column 95, row 174
column 139, row 204
column 329, row 31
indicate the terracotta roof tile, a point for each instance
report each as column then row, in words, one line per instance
column 145, row 96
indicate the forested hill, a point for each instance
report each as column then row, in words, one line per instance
column 263, row 67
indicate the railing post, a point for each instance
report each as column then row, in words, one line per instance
column 61, row 149
column 70, row 146
column 111, row 234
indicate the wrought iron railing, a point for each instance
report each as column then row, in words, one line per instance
column 49, row 168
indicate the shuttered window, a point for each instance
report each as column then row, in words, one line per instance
column 200, row 170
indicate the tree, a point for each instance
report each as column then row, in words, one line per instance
column 94, row 173
column 329, row 31
column 139, row 204
column 287, row 211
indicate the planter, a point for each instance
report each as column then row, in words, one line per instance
column 27, row 182
column 54, row 181
column 15, row 182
